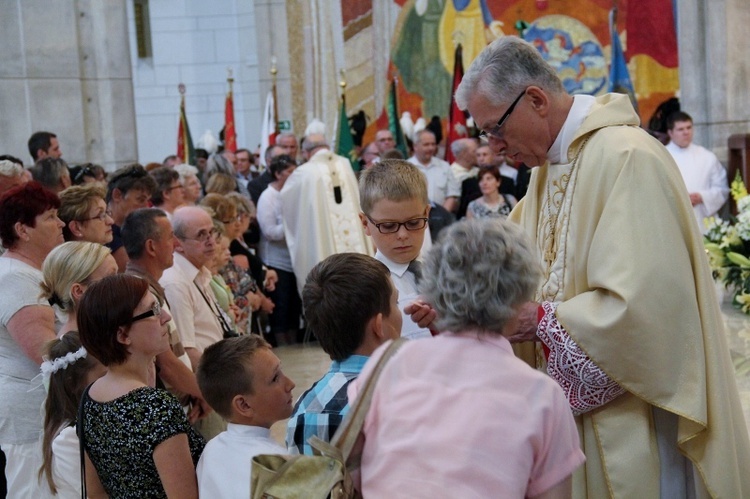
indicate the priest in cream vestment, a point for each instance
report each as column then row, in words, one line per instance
column 627, row 311
column 320, row 208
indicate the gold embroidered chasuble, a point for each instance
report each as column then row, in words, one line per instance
column 635, row 293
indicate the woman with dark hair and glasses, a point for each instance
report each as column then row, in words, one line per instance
column 284, row 320
column 85, row 213
column 129, row 188
column 137, row 439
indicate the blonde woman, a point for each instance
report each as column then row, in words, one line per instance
column 68, row 270
column 85, row 213
column 221, row 183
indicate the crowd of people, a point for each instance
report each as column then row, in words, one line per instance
column 140, row 309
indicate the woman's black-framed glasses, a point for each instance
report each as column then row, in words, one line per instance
column 154, row 312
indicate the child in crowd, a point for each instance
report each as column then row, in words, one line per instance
column 68, row 370
column 243, row 382
column 395, row 210
column 351, row 317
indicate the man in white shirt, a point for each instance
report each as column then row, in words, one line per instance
column 465, row 152
column 442, row 186
column 186, row 283
column 192, row 303
column 705, row 178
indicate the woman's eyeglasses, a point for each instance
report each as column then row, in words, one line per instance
column 154, row 312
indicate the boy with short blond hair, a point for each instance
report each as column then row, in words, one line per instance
column 243, row 382
column 395, row 211
column 351, row 317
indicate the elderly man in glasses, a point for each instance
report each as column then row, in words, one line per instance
column 199, row 319
column 627, row 308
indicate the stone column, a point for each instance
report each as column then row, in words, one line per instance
column 714, row 69
column 65, row 68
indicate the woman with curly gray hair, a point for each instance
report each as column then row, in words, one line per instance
column 459, row 415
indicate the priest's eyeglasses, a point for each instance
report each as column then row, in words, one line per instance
column 495, row 131
column 392, row 227
column 154, row 312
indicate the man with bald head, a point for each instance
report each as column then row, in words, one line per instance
column 320, row 207
column 626, row 307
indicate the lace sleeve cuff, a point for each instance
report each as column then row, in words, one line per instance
column 585, row 385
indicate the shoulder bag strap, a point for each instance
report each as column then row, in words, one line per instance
column 348, row 433
column 81, row 440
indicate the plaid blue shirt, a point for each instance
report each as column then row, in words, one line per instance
column 320, row 410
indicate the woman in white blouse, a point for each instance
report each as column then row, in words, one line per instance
column 284, row 320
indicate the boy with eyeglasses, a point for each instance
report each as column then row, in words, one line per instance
column 395, row 210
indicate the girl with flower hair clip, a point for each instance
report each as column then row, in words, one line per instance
column 67, row 271
column 67, row 370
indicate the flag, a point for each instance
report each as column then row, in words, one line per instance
column 269, row 125
column 185, row 149
column 393, row 119
column 652, row 49
column 344, row 139
column 651, row 30
column 230, row 136
column 456, row 117
column 619, row 77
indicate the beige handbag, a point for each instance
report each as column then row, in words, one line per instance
column 327, row 474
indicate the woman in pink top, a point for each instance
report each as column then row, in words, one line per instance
column 459, row 415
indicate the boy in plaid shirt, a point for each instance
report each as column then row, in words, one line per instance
column 351, row 305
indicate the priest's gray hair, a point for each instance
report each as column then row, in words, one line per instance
column 477, row 273
column 504, row 69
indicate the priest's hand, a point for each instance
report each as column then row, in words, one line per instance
column 696, row 198
column 528, row 321
column 421, row 313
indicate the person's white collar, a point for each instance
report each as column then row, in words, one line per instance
column 397, row 269
column 582, row 104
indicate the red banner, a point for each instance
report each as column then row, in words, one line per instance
column 230, row 136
